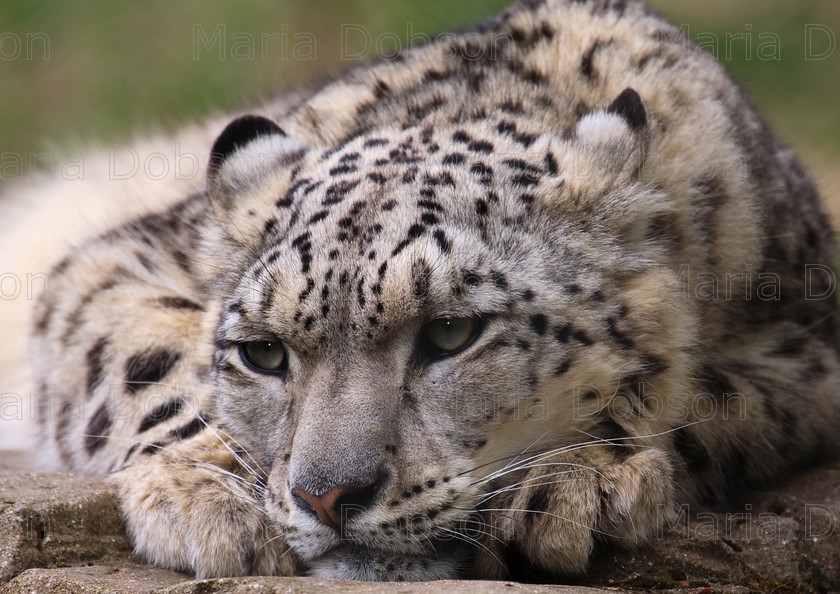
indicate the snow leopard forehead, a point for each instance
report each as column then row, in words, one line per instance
column 416, row 207
column 432, row 220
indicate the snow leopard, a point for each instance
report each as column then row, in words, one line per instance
column 477, row 309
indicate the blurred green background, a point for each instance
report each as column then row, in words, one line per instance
column 100, row 70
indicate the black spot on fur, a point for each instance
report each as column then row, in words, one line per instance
column 188, row 430
column 480, row 146
column 150, row 367
column 512, row 107
column 443, row 243
column 43, row 322
column 145, row 262
column 550, row 164
column 499, row 280
column 310, row 284
column 94, row 364
column 582, row 337
column 97, row 430
column 162, row 413
column 653, row 364
column 377, row 177
column 269, row 227
column 430, row 205
column 422, row 274
column 433, row 75
column 300, row 239
column 528, row 74
column 416, row 231
column 506, row 127
column 343, row 168
column 563, row 367
column 419, row 112
column 484, row 172
column 381, row 89
column 130, row 453
column 509, row 128
column 521, row 165
column 524, row 180
column 182, row 260
column 539, row 323
column 360, row 294
column 619, row 337
column 338, row 191
column 586, row 62
column 563, row 333
column 538, row 503
column 174, row 302
column 153, row 448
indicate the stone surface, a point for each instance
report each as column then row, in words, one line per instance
column 784, row 539
column 130, row 577
column 63, row 533
column 54, row 520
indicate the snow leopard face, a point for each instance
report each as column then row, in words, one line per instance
column 417, row 297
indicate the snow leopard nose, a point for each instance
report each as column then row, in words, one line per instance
column 339, row 504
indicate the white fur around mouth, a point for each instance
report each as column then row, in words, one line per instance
column 359, row 563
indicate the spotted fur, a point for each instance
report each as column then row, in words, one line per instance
column 570, row 176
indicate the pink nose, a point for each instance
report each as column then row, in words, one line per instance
column 326, row 506
column 338, row 504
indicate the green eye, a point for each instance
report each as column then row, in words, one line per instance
column 448, row 335
column 264, row 356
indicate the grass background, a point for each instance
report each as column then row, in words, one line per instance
column 117, row 67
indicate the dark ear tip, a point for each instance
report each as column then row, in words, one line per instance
column 629, row 105
column 237, row 134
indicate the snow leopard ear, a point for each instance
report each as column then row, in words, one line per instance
column 249, row 150
column 612, row 141
column 604, row 159
column 629, row 106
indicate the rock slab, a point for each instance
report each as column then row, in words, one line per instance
column 62, row 533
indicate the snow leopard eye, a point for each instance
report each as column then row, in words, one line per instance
column 264, row 356
column 445, row 336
